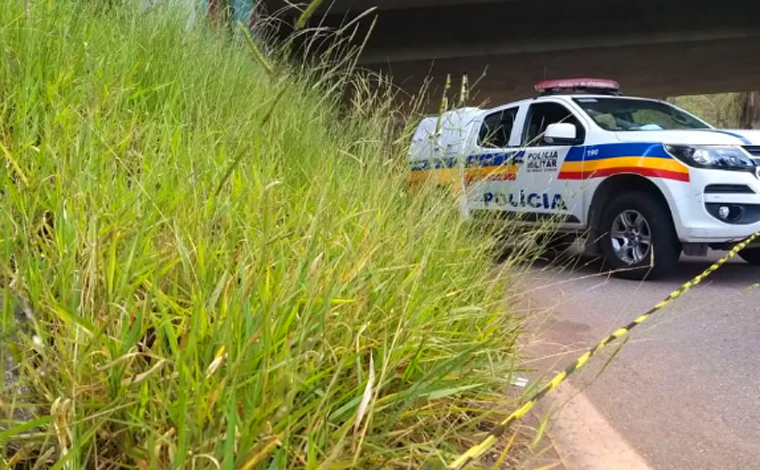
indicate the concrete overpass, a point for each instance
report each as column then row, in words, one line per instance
column 652, row 47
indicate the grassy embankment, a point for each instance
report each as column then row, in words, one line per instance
column 721, row 110
column 223, row 279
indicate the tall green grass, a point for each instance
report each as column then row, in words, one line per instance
column 226, row 272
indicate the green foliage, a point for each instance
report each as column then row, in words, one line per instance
column 721, row 110
column 213, row 285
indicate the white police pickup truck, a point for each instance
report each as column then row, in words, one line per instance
column 640, row 179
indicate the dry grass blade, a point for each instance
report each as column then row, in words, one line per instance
column 261, row 454
column 342, row 30
column 366, row 396
column 13, row 163
column 143, row 375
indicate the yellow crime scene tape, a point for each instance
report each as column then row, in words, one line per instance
column 477, row 450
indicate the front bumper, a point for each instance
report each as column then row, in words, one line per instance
column 696, row 211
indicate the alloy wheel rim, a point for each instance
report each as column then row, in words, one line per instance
column 631, row 237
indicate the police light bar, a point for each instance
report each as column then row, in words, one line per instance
column 547, row 86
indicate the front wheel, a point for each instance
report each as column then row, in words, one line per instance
column 751, row 255
column 638, row 238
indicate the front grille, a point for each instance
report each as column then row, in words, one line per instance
column 728, row 189
column 753, row 150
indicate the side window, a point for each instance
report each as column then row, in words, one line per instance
column 540, row 115
column 497, row 128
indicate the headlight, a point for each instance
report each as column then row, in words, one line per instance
column 713, row 157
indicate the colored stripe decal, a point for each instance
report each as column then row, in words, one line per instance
column 575, row 154
column 447, row 176
column 582, row 162
column 652, row 163
column 454, row 175
column 494, row 173
column 471, row 161
column 653, row 172
column 604, row 151
column 742, row 138
column 643, row 162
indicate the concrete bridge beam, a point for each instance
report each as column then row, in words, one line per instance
column 652, row 47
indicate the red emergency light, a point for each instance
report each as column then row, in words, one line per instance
column 578, row 84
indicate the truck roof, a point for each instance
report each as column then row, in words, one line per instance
column 562, row 97
column 570, row 88
column 548, row 90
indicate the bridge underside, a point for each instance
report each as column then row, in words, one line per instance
column 655, row 70
column 652, row 47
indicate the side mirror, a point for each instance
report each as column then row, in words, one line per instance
column 561, row 133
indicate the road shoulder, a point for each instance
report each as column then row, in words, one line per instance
column 581, row 436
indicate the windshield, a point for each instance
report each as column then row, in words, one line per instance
column 623, row 114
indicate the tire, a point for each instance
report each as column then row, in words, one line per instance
column 633, row 227
column 751, row 255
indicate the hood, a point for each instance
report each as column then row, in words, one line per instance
column 694, row 136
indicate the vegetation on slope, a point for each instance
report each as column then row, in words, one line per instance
column 225, row 272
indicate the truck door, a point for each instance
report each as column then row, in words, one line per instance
column 490, row 171
column 539, row 190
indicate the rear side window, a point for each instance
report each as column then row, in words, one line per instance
column 540, row 115
column 496, row 129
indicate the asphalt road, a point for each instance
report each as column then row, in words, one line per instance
column 684, row 391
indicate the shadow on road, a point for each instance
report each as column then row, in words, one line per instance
column 734, row 273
